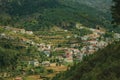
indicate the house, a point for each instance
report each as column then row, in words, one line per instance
column 46, row 63
column 22, row 31
column 32, row 43
column 23, row 39
column 7, row 28
column 29, row 32
column 60, row 57
column 80, row 56
column 101, row 32
column 76, row 36
column 84, row 38
column 60, row 49
column 69, row 55
column 48, row 46
column 91, row 29
column 90, row 47
column 18, row 78
column 92, row 42
column 2, row 35
column 68, row 60
column 117, row 36
column 74, row 45
column 65, row 30
column 91, row 51
column 79, row 26
column 34, row 63
column 84, row 49
column 47, row 53
column 102, row 44
column 68, row 37
column 17, row 30
column 94, row 35
column 29, row 42
column 43, row 47
column 75, row 51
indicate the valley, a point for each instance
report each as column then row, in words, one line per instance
column 48, row 53
column 59, row 40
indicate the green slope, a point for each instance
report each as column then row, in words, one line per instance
column 34, row 15
column 103, row 65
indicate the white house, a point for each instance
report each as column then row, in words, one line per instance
column 80, row 56
column 29, row 32
column 102, row 44
column 117, row 36
column 84, row 38
column 34, row 63
column 2, row 35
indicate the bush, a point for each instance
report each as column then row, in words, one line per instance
column 50, row 71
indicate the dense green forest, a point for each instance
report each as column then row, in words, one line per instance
column 10, row 52
column 116, row 12
column 103, row 65
column 39, row 14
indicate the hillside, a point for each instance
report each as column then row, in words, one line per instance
column 103, row 65
column 102, row 5
column 58, row 40
column 56, row 46
column 40, row 14
column 14, row 43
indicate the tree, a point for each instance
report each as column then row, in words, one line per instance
column 8, row 58
column 116, row 11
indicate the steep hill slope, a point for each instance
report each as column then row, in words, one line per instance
column 34, row 15
column 102, row 5
column 14, row 45
column 104, row 65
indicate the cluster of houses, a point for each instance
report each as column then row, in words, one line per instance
column 44, row 47
column 69, row 54
column 117, row 36
column 4, row 36
column 91, row 42
column 17, row 30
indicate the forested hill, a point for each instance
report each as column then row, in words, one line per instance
column 103, row 65
column 102, row 5
column 37, row 14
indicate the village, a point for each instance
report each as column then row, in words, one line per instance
column 59, row 56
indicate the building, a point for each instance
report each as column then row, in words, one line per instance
column 117, row 36
column 34, row 63
column 18, row 78
column 29, row 32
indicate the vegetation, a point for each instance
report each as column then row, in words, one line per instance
column 103, row 65
column 44, row 14
column 55, row 22
column 10, row 54
column 115, row 11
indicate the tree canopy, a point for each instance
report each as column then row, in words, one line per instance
column 116, row 11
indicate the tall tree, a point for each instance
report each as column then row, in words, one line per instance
column 116, row 11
